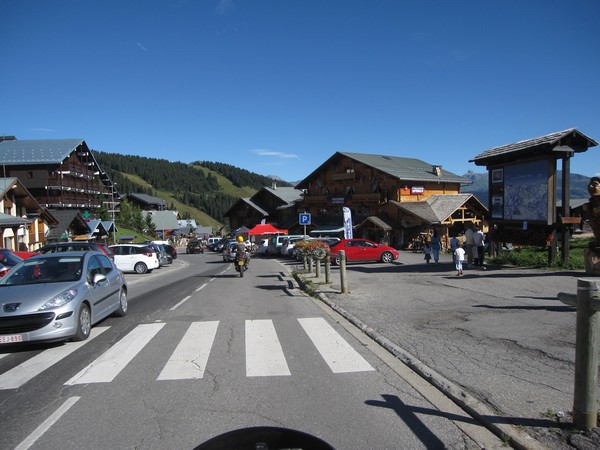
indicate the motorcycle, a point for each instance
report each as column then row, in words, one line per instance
column 241, row 262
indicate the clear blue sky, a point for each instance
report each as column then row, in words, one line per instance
column 278, row 86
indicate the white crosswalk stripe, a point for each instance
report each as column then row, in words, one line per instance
column 110, row 364
column 264, row 355
column 263, row 352
column 189, row 359
column 21, row 374
column 337, row 353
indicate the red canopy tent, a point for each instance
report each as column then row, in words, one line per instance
column 265, row 228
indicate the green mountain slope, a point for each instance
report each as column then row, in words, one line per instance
column 203, row 191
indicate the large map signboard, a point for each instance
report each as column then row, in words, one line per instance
column 526, row 191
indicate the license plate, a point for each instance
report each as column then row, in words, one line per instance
column 241, row 262
column 11, row 339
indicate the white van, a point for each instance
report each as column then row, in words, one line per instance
column 212, row 240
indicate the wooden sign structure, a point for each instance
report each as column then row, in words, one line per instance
column 522, row 189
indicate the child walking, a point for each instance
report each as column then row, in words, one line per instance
column 459, row 257
column 427, row 251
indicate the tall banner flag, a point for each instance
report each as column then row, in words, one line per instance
column 347, row 223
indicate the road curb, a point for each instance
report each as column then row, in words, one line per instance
column 477, row 409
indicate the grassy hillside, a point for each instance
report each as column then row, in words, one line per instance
column 226, row 185
column 200, row 217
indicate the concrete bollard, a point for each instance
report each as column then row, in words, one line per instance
column 317, row 267
column 310, row 264
column 343, row 278
column 327, row 270
column 587, row 301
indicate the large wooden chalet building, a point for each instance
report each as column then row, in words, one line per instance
column 63, row 177
column 392, row 199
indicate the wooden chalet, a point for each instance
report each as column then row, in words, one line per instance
column 59, row 173
column 392, row 199
column 275, row 205
column 23, row 222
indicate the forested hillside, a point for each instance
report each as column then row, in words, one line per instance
column 187, row 183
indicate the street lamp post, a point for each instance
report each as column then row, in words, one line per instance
column 112, row 203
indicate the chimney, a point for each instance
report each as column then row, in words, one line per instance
column 437, row 170
column 274, row 185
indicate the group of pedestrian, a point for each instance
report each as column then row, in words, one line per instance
column 473, row 249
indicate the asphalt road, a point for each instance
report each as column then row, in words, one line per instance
column 498, row 337
column 202, row 352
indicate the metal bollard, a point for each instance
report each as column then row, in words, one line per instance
column 587, row 301
column 343, row 278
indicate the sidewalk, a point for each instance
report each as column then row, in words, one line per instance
column 498, row 342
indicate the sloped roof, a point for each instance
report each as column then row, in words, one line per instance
column 578, row 141
column 8, row 221
column 42, row 151
column 406, row 169
column 67, row 219
column 438, row 208
column 164, row 220
column 250, row 203
column 378, row 221
column 286, row 194
column 147, row 199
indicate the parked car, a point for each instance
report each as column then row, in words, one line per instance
column 8, row 260
column 363, row 250
column 59, row 296
column 288, row 245
column 164, row 258
column 77, row 246
column 262, row 247
column 194, row 247
column 212, row 241
column 138, row 258
column 170, row 250
column 275, row 243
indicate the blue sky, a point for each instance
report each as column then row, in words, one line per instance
column 278, row 86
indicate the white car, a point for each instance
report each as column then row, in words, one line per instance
column 138, row 258
column 288, row 245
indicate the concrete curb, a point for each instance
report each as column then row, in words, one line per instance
column 517, row 438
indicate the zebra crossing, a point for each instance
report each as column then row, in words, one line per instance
column 265, row 356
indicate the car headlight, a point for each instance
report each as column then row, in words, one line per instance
column 61, row 299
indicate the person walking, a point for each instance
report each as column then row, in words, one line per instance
column 469, row 244
column 436, row 245
column 479, row 244
column 459, row 257
column 454, row 244
column 427, row 251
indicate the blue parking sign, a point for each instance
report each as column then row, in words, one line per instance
column 304, row 219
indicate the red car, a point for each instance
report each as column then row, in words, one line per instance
column 363, row 250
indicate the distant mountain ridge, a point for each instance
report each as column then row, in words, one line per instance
column 479, row 186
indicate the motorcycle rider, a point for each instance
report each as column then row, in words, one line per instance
column 240, row 249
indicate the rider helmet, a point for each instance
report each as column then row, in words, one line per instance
column 240, row 238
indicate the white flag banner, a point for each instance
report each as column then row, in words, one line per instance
column 347, row 223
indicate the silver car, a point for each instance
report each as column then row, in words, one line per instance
column 59, row 296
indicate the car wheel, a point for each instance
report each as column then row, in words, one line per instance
column 336, row 260
column 84, row 323
column 387, row 257
column 122, row 308
column 140, row 268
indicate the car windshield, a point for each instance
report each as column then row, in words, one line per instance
column 53, row 269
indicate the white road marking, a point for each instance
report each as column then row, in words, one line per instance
column 189, row 359
column 337, row 353
column 264, row 355
column 21, row 374
column 46, row 424
column 109, row 365
column 174, row 307
column 202, row 287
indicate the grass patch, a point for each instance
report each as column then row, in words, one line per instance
column 538, row 256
